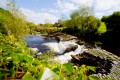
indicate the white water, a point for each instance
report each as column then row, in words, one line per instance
column 61, row 46
column 58, row 47
column 67, row 56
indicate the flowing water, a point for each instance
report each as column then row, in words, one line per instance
column 37, row 42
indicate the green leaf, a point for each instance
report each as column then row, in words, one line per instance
column 93, row 78
column 15, row 59
column 28, row 59
column 2, row 74
column 92, row 68
column 80, row 77
column 83, row 69
column 0, row 50
column 40, row 74
column 12, row 72
column 55, row 69
column 35, row 62
column 27, row 76
column 33, row 69
column 68, row 67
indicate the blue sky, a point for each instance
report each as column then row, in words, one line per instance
column 36, row 5
column 42, row 11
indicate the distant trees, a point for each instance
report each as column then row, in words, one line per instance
column 58, row 24
column 112, row 22
column 111, row 38
column 32, row 27
column 83, row 23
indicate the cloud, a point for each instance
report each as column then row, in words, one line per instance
column 38, row 17
column 50, row 10
column 106, row 7
column 83, row 2
column 106, row 4
column 101, row 7
column 65, row 6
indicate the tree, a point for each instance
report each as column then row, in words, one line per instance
column 58, row 24
column 32, row 27
column 83, row 23
column 112, row 22
column 13, row 22
column 113, row 29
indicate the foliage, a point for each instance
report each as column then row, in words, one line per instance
column 58, row 24
column 12, row 24
column 102, row 28
column 110, row 38
column 32, row 27
column 112, row 22
column 82, row 24
column 48, row 25
column 17, row 63
column 113, row 29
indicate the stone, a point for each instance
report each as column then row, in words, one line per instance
column 103, row 66
column 71, row 48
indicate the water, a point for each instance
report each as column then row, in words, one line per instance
column 37, row 42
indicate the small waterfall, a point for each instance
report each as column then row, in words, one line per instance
column 67, row 56
column 41, row 44
column 60, row 47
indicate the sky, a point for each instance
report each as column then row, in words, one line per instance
column 44, row 11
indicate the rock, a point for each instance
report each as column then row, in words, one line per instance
column 115, row 62
column 80, row 42
column 61, row 36
column 103, row 66
column 89, row 46
column 71, row 48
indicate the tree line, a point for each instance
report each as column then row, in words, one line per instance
column 86, row 26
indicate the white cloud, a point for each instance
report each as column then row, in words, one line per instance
column 65, row 6
column 101, row 7
column 38, row 17
column 50, row 10
column 106, row 7
column 83, row 2
column 106, row 4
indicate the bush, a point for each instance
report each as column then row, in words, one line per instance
column 11, row 24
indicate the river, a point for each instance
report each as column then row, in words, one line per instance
column 41, row 44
